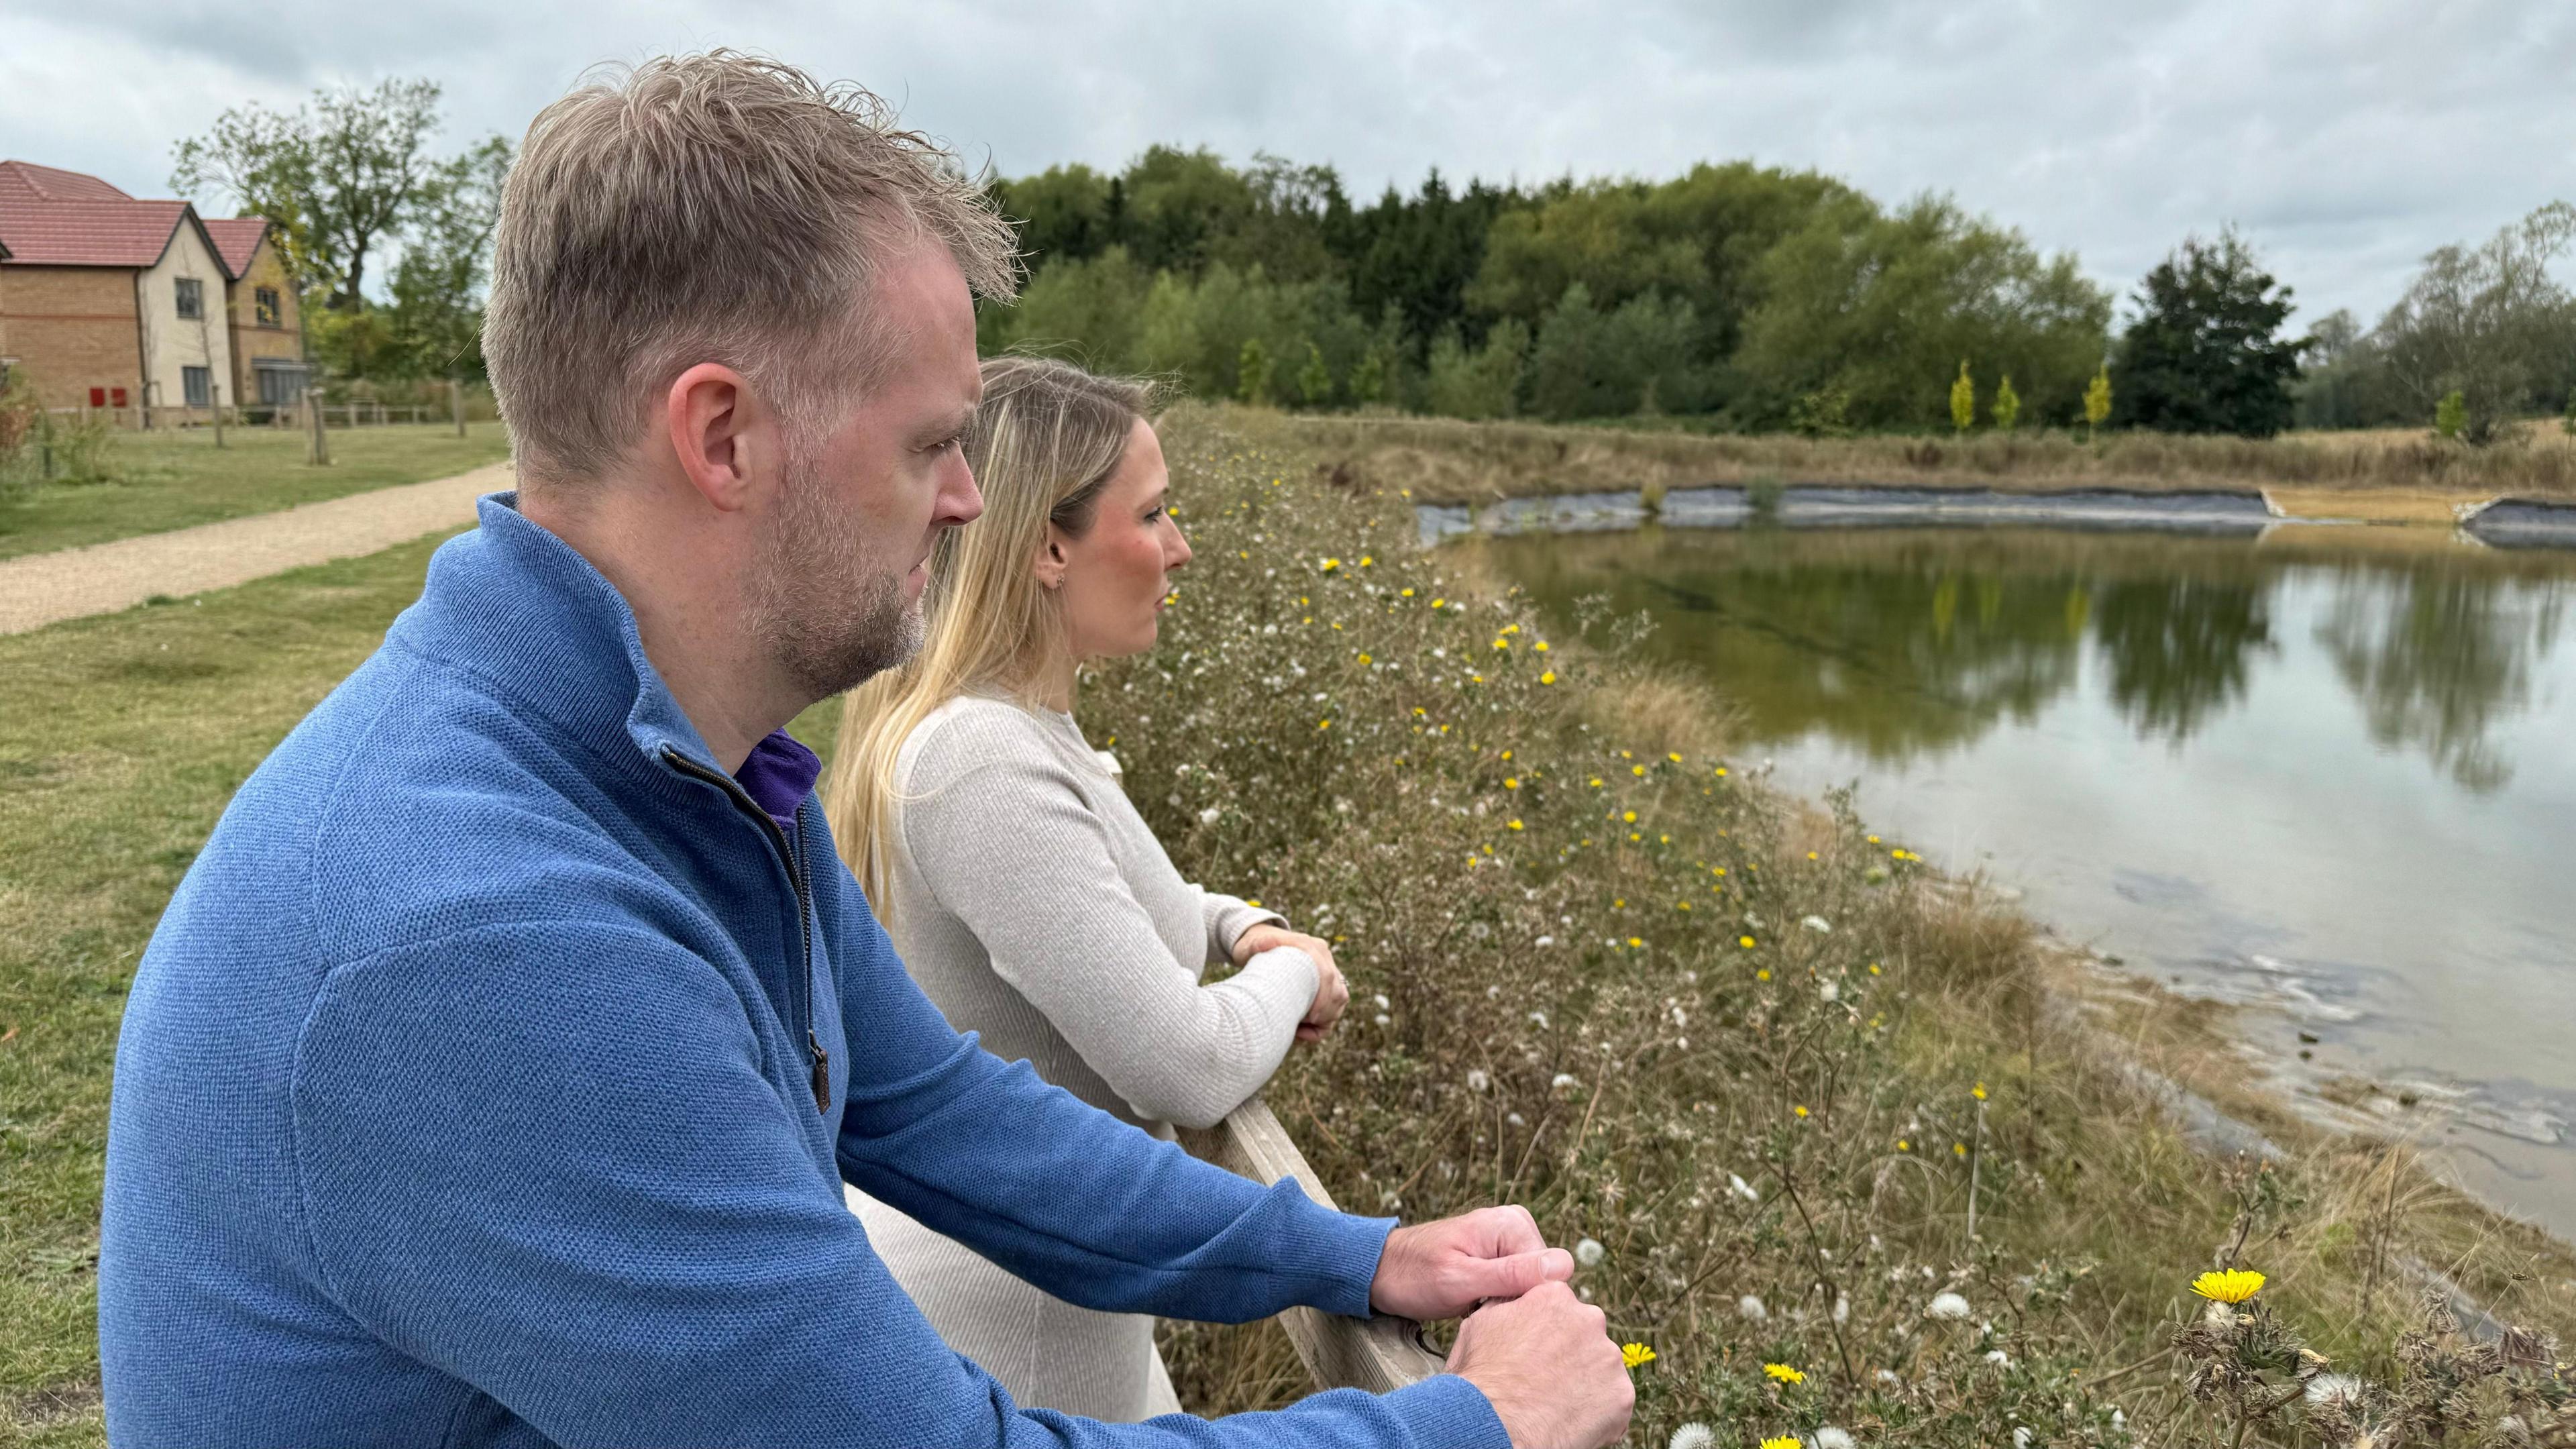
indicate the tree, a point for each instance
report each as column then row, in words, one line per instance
column 1315, row 380
column 1589, row 363
column 1883, row 304
column 2205, row 354
column 2097, row 401
column 1963, row 400
column 2007, row 405
column 2451, row 415
column 1368, row 380
column 1480, row 383
column 1252, row 372
column 339, row 176
column 437, row 313
column 2488, row 323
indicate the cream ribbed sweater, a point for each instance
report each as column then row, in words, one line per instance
column 1033, row 905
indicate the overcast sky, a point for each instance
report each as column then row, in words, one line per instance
column 2346, row 139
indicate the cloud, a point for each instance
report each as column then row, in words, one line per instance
column 2346, row 143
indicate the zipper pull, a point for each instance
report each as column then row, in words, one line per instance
column 822, row 1073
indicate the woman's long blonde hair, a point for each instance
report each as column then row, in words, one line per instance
column 1043, row 445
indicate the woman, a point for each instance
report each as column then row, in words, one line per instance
column 1022, row 889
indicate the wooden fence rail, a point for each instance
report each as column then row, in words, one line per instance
column 1377, row 1354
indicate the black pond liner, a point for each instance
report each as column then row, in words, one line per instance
column 2523, row 523
column 1862, row 507
column 1855, row 506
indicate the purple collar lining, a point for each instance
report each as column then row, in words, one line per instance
column 778, row 775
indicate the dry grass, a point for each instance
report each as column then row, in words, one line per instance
column 1444, row 461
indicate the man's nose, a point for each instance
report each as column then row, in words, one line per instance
column 963, row 502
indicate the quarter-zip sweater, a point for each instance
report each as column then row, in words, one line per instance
column 493, row 1074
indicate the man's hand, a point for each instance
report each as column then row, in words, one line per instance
column 1553, row 1376
column 1332, row 993
column 1444, row 1269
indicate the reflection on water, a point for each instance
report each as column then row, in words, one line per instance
column 2328, row 772
column 2436, row 658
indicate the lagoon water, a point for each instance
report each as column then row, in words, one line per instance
column 2328, row 773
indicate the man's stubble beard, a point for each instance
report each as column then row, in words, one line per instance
column 823, row 603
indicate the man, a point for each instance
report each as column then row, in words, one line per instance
column 493, row 1074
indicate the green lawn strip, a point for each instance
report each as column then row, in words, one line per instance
column 121, row 739
column 177, row 479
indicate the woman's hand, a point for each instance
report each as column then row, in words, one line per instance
column 1332, row 993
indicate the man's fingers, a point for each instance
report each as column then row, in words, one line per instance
column 1518, row 1274
column 1513, row 1230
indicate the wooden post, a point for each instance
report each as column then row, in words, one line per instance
column 318, row 450
column 456, row 404
column 1379, row 1354
column 216, row 392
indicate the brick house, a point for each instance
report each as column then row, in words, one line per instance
column 108, row 301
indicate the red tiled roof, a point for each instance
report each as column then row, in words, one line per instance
column 235, row 238
column 31, row 182
column 51, row 217
column 89, row 233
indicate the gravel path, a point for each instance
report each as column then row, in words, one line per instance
column 48, row 588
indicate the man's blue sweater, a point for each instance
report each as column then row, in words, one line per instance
column 493, row 1074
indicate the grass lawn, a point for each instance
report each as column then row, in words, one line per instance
column 169, row 480
column 121, row 738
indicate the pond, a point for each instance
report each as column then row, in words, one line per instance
column 2329, row 773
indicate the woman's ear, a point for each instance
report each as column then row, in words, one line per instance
column 1051, row 561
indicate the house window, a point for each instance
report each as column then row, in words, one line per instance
column 271, row 309
column 198, row 383
column 279, row 383
column 192, row 297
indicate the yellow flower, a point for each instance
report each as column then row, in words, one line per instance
column 1721, row 772
column 1636, row 769
column 1548, row 678
column 1596, row 782
column 1516, row 825
column 1784, row 1373
column 1511, row 628
column 1745, row 941
column 1762, row 975
column 1978, row 1091
column 1904, row 1146
column 1958, row 1149
column 1540, row 646
column 1636, row 942
column 1781, row 1443
column 1323, row 724
column 1676, row 759
column 1364, row 659
column 1628, row 817
column 1365, row 560
column 1633, row 1354
column 1510, row 783
column 1801, row 1111
column 1500, row 643
column 1439, row 603
column 1331, row 564
column 1408, row 593
column 2233, row 1286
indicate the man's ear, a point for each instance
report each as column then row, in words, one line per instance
column 720, row 435
column 1051, row 560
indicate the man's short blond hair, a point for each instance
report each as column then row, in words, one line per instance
column 708, row 208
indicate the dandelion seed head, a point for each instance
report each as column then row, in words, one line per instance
column 1589, row 1252
column 1947, row 1305
column 1750, row 1308
column 1830, row 1437
column 1692, row 1436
